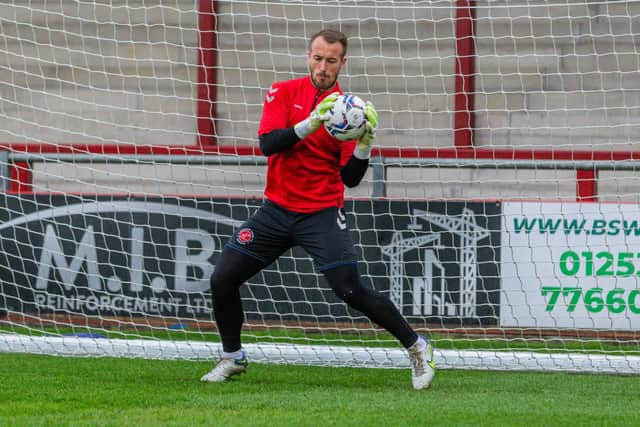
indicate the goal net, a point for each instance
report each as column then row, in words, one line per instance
column 500, row 212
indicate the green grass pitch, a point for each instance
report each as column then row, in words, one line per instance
column 57, row 391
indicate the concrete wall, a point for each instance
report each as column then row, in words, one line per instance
column 548, row 75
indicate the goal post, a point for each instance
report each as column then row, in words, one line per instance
column 499, row 213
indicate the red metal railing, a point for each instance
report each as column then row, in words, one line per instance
column 586, row 179
column 464, row 119
column 207, row 74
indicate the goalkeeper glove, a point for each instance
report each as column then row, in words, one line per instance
column 320, row 114
column 365, row 143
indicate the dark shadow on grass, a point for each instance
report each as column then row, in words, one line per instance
column 311, row 377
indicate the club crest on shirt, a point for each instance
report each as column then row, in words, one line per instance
column 245, row 236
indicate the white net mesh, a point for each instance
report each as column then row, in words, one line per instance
column 113, row 116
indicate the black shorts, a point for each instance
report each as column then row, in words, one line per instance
column 272, row 230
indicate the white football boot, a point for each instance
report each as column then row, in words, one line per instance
column 226, row 368
column 422, row 365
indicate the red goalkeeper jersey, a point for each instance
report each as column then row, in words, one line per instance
column 306, row 177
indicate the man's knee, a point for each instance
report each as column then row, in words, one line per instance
column 346, row 284
column 232, row 270
column 222, row 283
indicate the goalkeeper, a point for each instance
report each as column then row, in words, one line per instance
column 306, row 174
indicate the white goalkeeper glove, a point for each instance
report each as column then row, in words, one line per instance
column 320, row 114
column 365, row 143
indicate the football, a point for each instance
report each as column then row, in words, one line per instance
column 347, row 118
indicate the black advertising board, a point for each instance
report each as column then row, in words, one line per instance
column 123, row 256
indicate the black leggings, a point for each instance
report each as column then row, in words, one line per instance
column 234, row 268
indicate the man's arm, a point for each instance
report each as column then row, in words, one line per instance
column 357, row 165
column 278, row 140
column 353, row 172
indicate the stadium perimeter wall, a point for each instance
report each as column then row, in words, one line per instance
column 558, row 76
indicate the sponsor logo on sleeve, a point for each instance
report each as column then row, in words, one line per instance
column 271, row 94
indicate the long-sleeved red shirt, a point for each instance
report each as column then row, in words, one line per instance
column 306, row 177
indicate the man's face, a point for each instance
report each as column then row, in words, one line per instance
column 325, row 62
